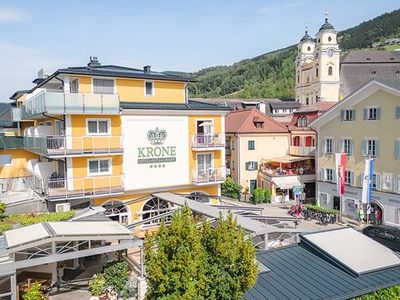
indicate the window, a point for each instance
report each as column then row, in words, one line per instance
column 251, row 145
column 348, row 115
column 329, row 39
column 397, row 149
column 329, row 175
column 298, row 78
column 204, row 161
column 103, row 86
column 233, row 145
column 99, row 166
column 233, row 165
column 349, row 177
column 98, row 127
column 307, row 101
column 398, row 112
column 323, row 199
column 347, row 146
column 74, row 86
column 372, row 113
column 316, row 72
column 330, row 70
column 328, row 146
column 47, row 123
column 149, row 88
column 370, row 148
column 251, row 166
column 376, row 182
column 5, row 160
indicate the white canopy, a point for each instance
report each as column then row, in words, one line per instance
column 286, row 182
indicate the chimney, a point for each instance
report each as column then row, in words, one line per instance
column 94, row 62
column 41, row 76
column 147, row 69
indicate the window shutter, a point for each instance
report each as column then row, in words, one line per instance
column 378, row 182
column 334, row 175
column 364, row 148
column 247, row 166
column 351, row 147
column 341, row 145
column 323, row 146
column 342, row 114
column 333, row 146
column 255, row 165
column 322, row 174
column 377, row 148
column 397, row 149
column 398, row 112
column 378, row 113
column 395, row 183
column 365, row 113
column 354, row 114
column 352, row 183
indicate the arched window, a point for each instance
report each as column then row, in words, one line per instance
column 298, row 77
column 154, row 207
column 296, row 139
column 330, row 70
column 316, row 72
column 307, row 102
column 117, row 211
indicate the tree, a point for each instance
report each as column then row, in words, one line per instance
column 230, row 188
column 33, row 293
column 3, row 207
column 185, row 261
column 116, row 274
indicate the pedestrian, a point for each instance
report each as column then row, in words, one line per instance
column 378, row 217
column 361, row 215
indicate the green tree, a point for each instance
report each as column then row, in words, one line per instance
column 116, row 274
column 2, row 208
column 230, row 188
column 185, row 261
column 97, row 285
column 392, row 293
column 258, row 195
column 33, row 293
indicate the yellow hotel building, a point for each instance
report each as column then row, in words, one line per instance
column 113, row 136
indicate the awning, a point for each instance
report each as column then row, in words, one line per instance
column 286, row 182
column 287, row 159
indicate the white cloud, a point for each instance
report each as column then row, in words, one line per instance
column 19, row 66
column 11, row 15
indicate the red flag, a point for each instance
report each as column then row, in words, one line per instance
column 341, row 172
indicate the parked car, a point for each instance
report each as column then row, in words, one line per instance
column 384, row 234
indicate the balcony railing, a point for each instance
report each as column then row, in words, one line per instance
column 74, row 146
column 51, row 102
column 302, row 151
column 208, row 140
column 209, row 175
column 76, row 188
column 287, row 172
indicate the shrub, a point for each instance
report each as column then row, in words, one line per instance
column 258, row 196
column 389, row 293
column 2, row 208
column 230, row 188
column 116, row 275
column 97, row 285
column 267, row 196
column 46, row 217
column 321, row 209
column 33, row 293
column 5, row 227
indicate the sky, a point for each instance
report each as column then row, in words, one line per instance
column 180, row 35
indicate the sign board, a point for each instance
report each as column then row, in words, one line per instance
column 156, row 151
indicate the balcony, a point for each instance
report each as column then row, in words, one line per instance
column 55, row 189
column 302, row 151
column 212, row 141
column 211, row 175
column 60, row 146
column 59, row 103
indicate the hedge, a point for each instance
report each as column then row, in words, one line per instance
column 391, row 293
column 320, row 209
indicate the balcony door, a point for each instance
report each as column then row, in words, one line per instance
column 205, row 131
column 204, row 161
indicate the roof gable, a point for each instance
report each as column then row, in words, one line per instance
column 244, row 121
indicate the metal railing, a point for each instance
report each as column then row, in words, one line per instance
column 286, row 172
column 208, row 140
column 74, row 145
column 73, row 188
column 56, row 102
column 302, row 151
column 209, row 175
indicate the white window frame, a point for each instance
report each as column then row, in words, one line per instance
column 108, row 78
column 98, row 120
column 326, row 175
column 205, row 153
column 367, row 140
column 152, row 88
column 350, row 111
column 253, row 163
column 350, row 140
column 71, row 80
column 326, row 143
column 378, row 185
column 376, row 113
column 205, row 120
column 248, row 144
column 99, row 173
column 350, row 183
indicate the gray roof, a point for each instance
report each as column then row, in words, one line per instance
column 191, row 105
column 306, row 37
column 299, row 272
column 359, row 67
column 284, row 104
column 326, row 26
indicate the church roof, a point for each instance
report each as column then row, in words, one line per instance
column 358, row 67
column 306, row 37
column 326, row 26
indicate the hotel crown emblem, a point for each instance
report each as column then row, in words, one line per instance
column 156, row 137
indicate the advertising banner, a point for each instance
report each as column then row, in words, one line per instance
column 156, row 151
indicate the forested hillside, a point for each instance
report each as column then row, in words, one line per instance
column 272, row 74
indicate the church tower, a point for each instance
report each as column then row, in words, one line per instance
column 317, row 67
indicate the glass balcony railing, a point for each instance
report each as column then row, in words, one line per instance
column 76, row 188
column 302, row 151
column 210, row 175
column 54, row 102
column 54, row 146
column 207, row 141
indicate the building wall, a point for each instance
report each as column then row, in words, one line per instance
column 18, row 166
column 133, row 90
column 383, row 129
column 266, row 146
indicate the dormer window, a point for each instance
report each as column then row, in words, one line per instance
column 149, row 88
column 258, row 123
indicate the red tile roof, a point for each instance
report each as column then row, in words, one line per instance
column 243, row 121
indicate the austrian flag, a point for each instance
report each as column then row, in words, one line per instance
column 341, row 172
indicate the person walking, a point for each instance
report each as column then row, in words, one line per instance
column 378, row 217
column 361, row 215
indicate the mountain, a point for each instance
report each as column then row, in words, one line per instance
column 272, row 74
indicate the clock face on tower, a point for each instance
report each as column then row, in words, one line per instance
column 330, row 52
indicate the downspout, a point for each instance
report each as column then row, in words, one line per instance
column 64, row 125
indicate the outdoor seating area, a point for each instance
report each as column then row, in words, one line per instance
column 284, row 167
